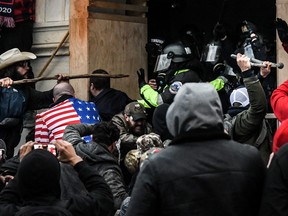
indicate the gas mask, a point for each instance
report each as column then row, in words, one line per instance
column 252, row 41
column 212, row 59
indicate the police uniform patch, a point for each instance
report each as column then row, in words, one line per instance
column 175, row 86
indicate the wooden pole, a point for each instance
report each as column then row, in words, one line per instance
column 80, row 76
column 53, row 54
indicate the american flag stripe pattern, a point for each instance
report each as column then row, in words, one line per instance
column 50, row 124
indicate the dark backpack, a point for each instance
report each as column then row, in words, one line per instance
column 54, row 210
column 13, row 103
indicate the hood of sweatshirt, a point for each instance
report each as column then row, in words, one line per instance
column 95, row 153
column 196, row 106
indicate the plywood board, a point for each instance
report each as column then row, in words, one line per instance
column 118, row 47
column 78, row 32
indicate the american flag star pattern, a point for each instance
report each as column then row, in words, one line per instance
column 50, row 124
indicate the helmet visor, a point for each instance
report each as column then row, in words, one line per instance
column 211, row 53
column 162, row 63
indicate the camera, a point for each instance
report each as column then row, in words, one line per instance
column 48, row 147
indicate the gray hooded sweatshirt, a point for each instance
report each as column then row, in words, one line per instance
column 196, row 106
column 202, row 171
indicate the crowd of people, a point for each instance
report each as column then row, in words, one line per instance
column 195, row 143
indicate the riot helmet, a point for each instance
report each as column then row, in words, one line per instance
column 212, row 52
column 249, row 32
column 251, row 41
column 247, row 28
column 193, row 37
column 154, row 47
column 212, row 59
column 175, row 52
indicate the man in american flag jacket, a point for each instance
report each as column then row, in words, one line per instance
column 66, row 110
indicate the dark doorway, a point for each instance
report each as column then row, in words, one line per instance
column 167, row 18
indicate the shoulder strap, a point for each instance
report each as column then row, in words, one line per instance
column 228, row 124
column 266, row 132
column 262, row 134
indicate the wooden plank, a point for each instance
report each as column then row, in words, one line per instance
column 281, row 12
column 119, row 6
column 113, row 42
column 134, row 19
column 118, row 47
column 79, row 45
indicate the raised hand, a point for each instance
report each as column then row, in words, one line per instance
column 141, row 77
column 282, row 29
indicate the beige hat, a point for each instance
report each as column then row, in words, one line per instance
column 14, row 55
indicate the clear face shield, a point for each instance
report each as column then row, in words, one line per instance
column 211, row 53
column 212, row 59
column 174, row 53
column 163, row 62
column 179, row 54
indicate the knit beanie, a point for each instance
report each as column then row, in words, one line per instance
column 39, row 175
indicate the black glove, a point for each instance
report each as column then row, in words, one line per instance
column 141, row 77
column 219, row 31
column 282, row 29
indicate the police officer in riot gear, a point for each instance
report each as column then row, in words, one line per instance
column 217, row 70
column 176, row 65
column 154, row 47
column 252, row 44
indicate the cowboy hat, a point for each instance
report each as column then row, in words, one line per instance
column 14, row 55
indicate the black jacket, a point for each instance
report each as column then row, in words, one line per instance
column 275, row 191
column 202, row 171
column 200, row 175
column 27, row 99
column 110, row 102
column 98, row 201
column 98, row 156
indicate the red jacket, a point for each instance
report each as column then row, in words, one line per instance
column 24, row 10
column 279, row 101
column 16, row 11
